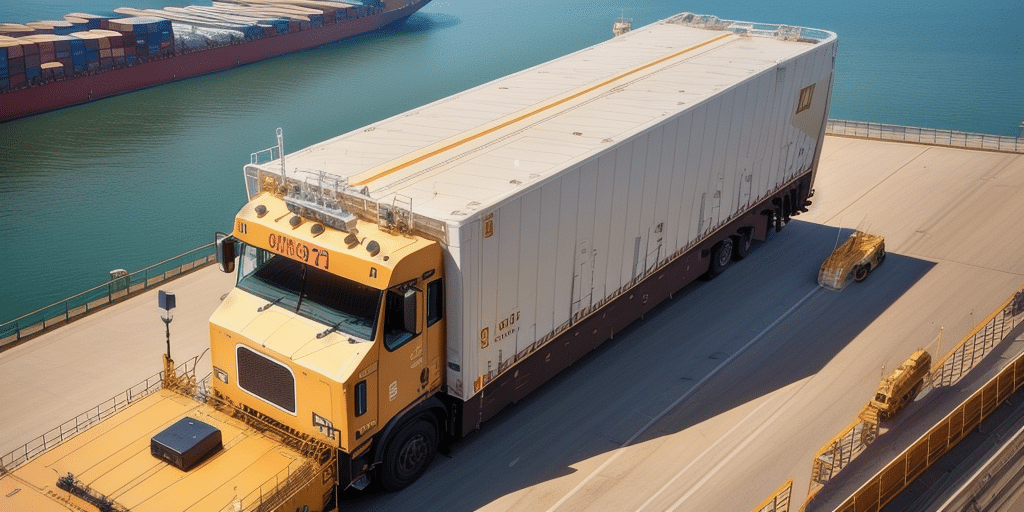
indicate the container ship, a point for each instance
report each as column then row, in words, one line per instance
column 47, row 65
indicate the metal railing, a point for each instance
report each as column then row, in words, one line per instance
column 949, row 138
column 88, row 419
column 118, row 288
column 948, row 370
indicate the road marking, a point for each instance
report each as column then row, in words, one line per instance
column 733, row 453
column 684, row 396
column 701, row 456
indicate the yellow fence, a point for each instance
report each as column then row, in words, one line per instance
column 928, row 448
column 779, row 501
column 948, row 370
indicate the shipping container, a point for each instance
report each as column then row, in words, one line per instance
column 17, row 80
column 92, row 20
column 15, row 29
column 16, row 65
column 52, row 70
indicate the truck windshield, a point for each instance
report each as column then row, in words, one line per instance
column 338, row 303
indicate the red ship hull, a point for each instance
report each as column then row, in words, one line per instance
column 85, row 88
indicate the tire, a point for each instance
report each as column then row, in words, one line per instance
column 861, row 273
column 741, row 245
column 408, row 454
column 721, row 257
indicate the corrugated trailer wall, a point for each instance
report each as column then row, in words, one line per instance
column 521, row 272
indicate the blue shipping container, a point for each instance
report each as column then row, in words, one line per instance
column 4, row 82
column 34, row 72
column 154, row 50
column 3, row 54
column 153, row 38
column 131, row 59
column 91, row 57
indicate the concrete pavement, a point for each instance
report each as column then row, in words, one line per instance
column 71, row 369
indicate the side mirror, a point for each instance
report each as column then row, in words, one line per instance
column 409, row 308
column 226, row 252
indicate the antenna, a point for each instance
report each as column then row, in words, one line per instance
column 280, row 150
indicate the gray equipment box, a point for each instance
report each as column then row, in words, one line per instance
column 186, row 443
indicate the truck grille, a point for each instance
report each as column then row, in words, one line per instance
column 266, row 379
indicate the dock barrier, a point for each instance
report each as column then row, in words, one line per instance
column 947, row 371
column 930, row 136
column 121, row 286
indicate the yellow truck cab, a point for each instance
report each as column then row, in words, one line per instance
column 335, row 328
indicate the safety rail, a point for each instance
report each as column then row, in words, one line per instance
column 277, row 490
column 120, row 287
column 931, row 136
column 897, row 475
column 90, row 418
column 779, row 500
column 948, row 370
column 973, row 347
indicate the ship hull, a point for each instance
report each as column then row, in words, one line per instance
column 85, row 88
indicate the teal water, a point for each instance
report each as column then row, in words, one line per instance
column 129, row 181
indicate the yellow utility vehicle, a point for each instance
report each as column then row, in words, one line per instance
column 858, row 256
column 899, row 389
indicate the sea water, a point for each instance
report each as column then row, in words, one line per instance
column 129, row 181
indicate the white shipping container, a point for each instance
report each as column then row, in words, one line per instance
column 558, row 188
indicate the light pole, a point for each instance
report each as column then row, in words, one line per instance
column 166, row 301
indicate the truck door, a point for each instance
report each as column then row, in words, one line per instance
column 403, row 360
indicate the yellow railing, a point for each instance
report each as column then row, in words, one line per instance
column 895, row 477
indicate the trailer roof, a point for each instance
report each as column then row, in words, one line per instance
column 468, row 151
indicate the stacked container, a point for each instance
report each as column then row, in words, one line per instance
column 61, row 27
column 92, row 20
column 79, row 63
column 15, row 63
column 151, row 37
column 91, row 46
column 5, row 72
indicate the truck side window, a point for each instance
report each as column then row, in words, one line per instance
column 435, row 301
column 360, row 401
column 395, row 334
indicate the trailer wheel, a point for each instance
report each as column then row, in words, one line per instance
column 861, row 273
column 721, row 256
column 741, row 245
column 408, row 454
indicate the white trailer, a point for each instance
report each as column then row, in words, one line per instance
column 561, row 187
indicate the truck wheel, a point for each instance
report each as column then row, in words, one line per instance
column 408, row 454
column 861, row 273
column 741, row 245
column 721, row 256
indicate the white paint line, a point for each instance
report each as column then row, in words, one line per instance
column 736, row 451
column 701, row 456
column 684, row 396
